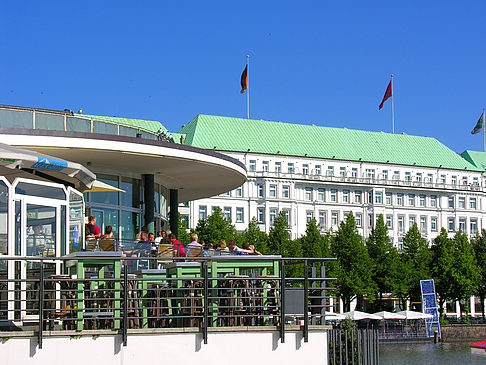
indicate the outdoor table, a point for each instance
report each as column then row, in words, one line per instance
column 149, row 276
column 78, row 261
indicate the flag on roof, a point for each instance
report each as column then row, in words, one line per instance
column 244, row 80
column 388, row 93
column 479, row 125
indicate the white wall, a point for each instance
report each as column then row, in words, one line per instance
column 233, row 348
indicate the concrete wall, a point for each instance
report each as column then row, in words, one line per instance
column 260, row 347
column 460, row 332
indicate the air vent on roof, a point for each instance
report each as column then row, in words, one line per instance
column 404, row 134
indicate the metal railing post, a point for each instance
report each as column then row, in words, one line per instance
column 206, row 302
column 41, row 304
column 125, row 305
column 306, row 301
column 282, row 301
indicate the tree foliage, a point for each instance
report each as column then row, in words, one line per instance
column 215, row 227
column 385, row 258
column 354, row 267
column 479, row 246
column 254, row 236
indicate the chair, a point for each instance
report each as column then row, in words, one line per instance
column 107, row 245
column 193, row 251
column 165, row 253
column 91, row 244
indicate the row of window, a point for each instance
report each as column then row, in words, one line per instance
column 343, row 171
column 227, row 212
column 422, row 223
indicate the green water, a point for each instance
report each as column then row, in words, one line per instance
column 430, row 354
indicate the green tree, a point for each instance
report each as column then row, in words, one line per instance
column 416, row 256
column 215, row 227
column 465, row 273
column 354, row 267
column 313, row 243
column 279, row 243
column 183, row 235
column 254, row 236
column 479, row 245
column 385, row 257
column 279, row 236
column 442, row 266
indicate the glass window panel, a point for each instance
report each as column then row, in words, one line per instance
column 76, row 222
column 128, row 132
column 105, row 128
column 157, row 198
column 146, row 135
column 16, row 119
column 3, row 218
column 49, row 121
column 129, row 226
column 42, row 191
column 164, row 192
column 106, row 197
column 133, row 189
column 41, row 230
column 78, row 125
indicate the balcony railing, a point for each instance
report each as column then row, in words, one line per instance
column 97, row 292
column 28, row 118
column 365, row 180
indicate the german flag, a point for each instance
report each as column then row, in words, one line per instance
column 244, row 80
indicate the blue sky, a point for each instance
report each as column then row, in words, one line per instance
column 314, row 62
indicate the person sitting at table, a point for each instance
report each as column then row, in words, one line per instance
column 246, row 246
column 194, row 248
column 222, row 246
column 179, row 249
column 142, row 248
column 108, row 233
column 92, row 231
column 236, row 250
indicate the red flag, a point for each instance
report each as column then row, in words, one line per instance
column 388, row 93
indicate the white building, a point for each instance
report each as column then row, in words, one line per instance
column 326, row 173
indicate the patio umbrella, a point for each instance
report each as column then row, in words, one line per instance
column 389, row 315
column 357, row 315
column 334, row 316
column 415, row 315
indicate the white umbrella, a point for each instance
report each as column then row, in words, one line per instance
column 389, row 315
column 357, row 315
column 334, row 316
column 415, row 315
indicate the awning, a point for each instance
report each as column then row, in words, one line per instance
column 101, row 186
column 357, row 315
column 44, row 166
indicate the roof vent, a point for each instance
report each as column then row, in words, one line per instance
column 313, row 125
column 404, row 134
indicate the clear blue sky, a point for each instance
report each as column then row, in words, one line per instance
column 320, row 62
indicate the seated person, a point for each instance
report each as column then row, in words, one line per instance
column 246, row 246
column 179, row 249
column 236, row 250
column 142, row 248
column 92, row 230
column 194, row 248
column 108, row 234
column 222, row 246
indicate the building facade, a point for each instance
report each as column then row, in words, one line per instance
column 327, row 173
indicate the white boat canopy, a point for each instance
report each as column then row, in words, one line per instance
column 415, row 315
column 357, row 315
column 389, row 315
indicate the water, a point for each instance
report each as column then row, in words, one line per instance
column 430, row 354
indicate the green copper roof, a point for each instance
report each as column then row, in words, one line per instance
column 235, row 134
column 146, row 125
column 477, row 158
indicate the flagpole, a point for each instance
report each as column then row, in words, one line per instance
column 248, row 87
column 393, row 113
